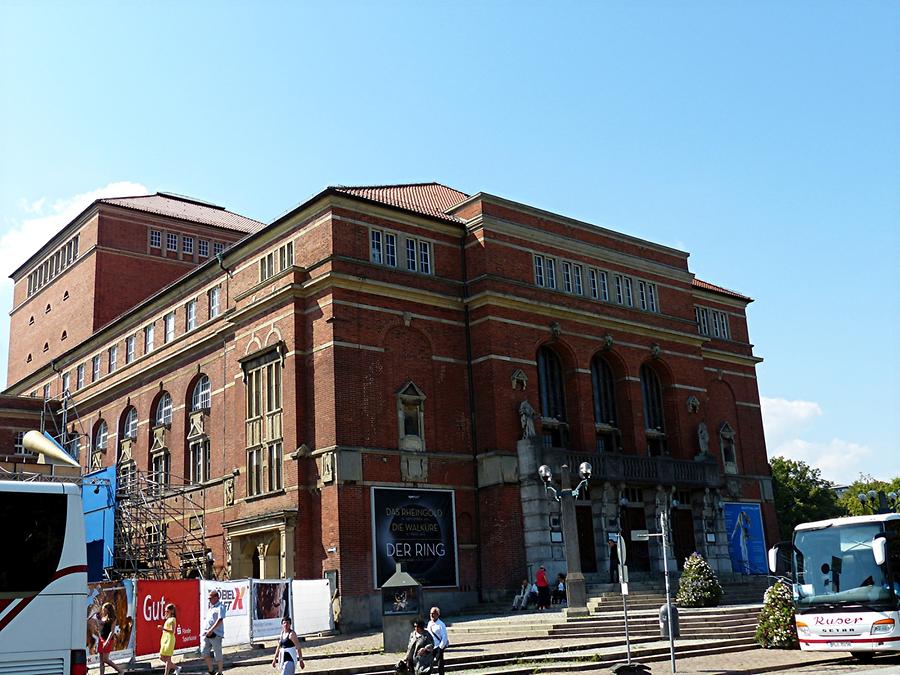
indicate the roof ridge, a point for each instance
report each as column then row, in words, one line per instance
column 395, row 185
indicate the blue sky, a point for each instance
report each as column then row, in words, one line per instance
column 762, row 137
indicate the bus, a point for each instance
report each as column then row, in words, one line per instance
column 43, row 579
column 845, row 575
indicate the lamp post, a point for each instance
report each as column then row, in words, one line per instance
column 576, row 593
column 878, row 501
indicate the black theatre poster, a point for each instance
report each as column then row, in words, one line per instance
column 418, row 529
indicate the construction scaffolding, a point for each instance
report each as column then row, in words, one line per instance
column 159, row 530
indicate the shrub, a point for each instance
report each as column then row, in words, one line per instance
column 699, row 585
column 776, row 628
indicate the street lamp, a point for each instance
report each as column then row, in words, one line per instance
column 576, row 594
column 878, row 501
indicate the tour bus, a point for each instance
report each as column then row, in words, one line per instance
column 846, row 583
column 43, row 579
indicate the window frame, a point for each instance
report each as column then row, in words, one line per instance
column 172, row 242
column 129, row 349
column 212, row 297
column 169, row 327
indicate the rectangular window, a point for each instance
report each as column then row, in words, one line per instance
column 577, row 278
column 726, row 334
column 267, row 266
column 113, row 357
column 129, row 349
column 65, row 383
column 171, row 241
column 46, row 391
column 642, row 295
column 218, row 247
column 155, row 239
column 169, row 327
column 79, row 377
column 213, row 295
column 190, row 315
column 629, row 299
column 286, row 256
column 424, row 257
column 567, row 276
column 274, row 460
column 550, row 266
column 620, row 288
column 160, row 466
column 376, row 251
column 95, row 368
column 595, row 287
column 19, row 445
column 538, row 270
column 411, row 255
column 198, row 469
column 390, row 249
column 651, row 298
column 148, row 339
column 254, row 471
column 187, row 245
column 701, row 315
column 604, row 286
column 203, row 248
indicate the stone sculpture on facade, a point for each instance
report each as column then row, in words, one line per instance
column 526, row 416
column 703, row 438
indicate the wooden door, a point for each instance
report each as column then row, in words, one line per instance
column 683, row 540
column 638, row 552
column 585, row 522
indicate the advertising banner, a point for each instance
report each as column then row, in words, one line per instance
column 418, row 529
column 270, row 602
column 120, row 594
column 235, row 595
column 311, row 606
column 746, row 541
column 152, row 598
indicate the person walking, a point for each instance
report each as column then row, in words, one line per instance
column 420, row 652
column 543, row 586
column 288, row 653
column 438, row 630
column 107, row 638
column 167, row 640
column 559, row 593
column 213, row 633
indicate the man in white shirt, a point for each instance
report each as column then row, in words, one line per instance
column 213, row 632
column 439, row 630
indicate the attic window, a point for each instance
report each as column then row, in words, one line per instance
column 31, row 321
column 46, row 347
column 65, row 296
column 28, row 360
column 63, row 336
column 47, row 310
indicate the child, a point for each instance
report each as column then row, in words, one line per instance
column 167, row 640
column 107, row 637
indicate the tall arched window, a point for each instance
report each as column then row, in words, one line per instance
column 553, row 398
column 605, row 418
column 164, row 410
column 654, row 421
column 201, row 396
column 129, row 424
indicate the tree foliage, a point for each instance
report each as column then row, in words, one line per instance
column 801, row 494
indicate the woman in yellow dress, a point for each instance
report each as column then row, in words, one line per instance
column 167, row 640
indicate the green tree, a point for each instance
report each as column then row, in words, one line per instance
column 849, row 500
column 801, row 494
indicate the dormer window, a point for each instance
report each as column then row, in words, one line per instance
column 411, row 417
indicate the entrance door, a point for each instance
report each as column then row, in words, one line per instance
column 683, row 541
column 585, row 521
column 634, row 518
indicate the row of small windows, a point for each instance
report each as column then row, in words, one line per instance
column 149, row 338
column 400, row 250
column 712, row 322
column 276, row 261
column 53, row 266
column 597, row 284
column 187, row 244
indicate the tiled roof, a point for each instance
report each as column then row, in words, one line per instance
column 706, row 286
column 185, row 208
column 430, row 199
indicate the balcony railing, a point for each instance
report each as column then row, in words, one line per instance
column 616, row 467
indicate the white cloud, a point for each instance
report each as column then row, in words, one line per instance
column 36, row 223
column 26, row 235
column 785, row 421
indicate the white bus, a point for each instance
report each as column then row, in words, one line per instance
column 846, row 583
column 43, row 579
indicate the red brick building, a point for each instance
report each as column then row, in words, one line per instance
column 378, row 345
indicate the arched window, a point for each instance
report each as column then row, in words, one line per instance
column 98, row 445
column 654, row 421
column 164, row 410
column 605, row 418
column 129, row 424
column 201, row 395
column 553, row 398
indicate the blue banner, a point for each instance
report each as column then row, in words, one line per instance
column 98, row 491
column 746, row 541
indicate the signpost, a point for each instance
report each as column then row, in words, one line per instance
column 664, row 535
column 623, row 580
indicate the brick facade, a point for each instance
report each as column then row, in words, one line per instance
column 350, row 326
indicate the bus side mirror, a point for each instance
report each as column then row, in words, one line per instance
column 773, row 559
column 879, row 549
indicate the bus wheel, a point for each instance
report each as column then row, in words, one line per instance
column 865, row 657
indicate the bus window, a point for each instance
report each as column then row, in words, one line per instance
column 34, row 530
column 893, row 542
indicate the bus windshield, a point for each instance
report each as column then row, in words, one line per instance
column 835, row 565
